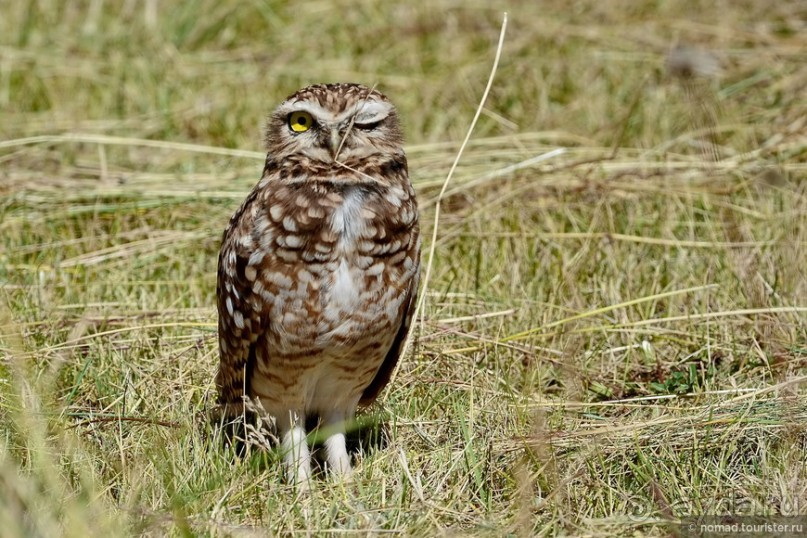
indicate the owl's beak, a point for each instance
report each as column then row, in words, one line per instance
column 334, row 142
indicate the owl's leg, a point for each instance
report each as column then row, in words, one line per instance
column 296, row 456
column 336, row 456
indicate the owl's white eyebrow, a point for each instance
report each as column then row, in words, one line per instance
column 312, row 108
column 372, row 111
column 365, row 111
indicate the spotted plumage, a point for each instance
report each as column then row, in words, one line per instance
column 318, row 269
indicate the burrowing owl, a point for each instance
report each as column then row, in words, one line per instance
column 318, row 270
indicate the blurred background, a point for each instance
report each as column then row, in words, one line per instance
column 208, row 72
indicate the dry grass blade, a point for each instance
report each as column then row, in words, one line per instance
column 436, row 222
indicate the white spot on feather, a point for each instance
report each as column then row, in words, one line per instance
column 293, row 241
column 276, row 212
column 256, row 257
column 290, row 224
column 279, row 279
column 376, row 269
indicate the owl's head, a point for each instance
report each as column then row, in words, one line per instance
column 334, row 122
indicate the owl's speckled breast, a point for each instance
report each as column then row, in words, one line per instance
column 341, row 310
column 339, row 278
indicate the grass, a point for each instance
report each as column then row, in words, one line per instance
column 612, row 338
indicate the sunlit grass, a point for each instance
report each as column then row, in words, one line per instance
column 613, row 337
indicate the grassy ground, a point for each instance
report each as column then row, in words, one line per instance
column 612, row 338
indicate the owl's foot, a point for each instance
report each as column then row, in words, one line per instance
column 337, row 458
column 297, row 458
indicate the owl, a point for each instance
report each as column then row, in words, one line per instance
column 318, row 271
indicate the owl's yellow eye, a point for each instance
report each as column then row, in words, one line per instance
column 300, row 121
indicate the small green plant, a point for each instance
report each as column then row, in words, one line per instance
column 678, row 382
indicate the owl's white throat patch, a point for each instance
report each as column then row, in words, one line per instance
column 348, row 223
column 347, row 220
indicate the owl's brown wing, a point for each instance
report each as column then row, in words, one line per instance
column 384, row 373
column 239, row 309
